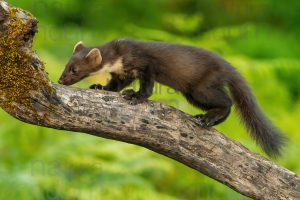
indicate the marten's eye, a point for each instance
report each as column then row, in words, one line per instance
column 73, row 70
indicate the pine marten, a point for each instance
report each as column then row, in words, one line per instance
column 198, row 74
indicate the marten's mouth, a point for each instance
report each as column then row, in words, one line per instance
column 70, row 80
column 62, row 82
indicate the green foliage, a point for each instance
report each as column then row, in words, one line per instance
column 260, row 38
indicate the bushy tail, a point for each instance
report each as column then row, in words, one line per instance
column 261, row 129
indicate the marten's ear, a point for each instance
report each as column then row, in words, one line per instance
column 79, row 46
column 94, row 56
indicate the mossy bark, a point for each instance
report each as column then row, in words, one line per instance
column 27, row 94
column 22, row 73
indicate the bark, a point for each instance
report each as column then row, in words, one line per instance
column 28, row 95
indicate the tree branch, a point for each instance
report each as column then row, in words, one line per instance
column 28, row 95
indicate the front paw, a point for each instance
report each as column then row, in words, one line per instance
column 129, row 94
column 96, row 87
column 133, row 97
column 136, row 101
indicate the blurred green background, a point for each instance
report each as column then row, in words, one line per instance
column 259, row 37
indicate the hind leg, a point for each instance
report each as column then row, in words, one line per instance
column 215, row 101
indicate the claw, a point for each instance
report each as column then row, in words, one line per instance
column 129, row 94
column 133, row 97
column 96, row 87
column 204, row 121
column 133, row 102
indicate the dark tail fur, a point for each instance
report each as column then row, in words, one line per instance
column 261, row 129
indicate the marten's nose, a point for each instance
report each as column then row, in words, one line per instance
column 60, row 82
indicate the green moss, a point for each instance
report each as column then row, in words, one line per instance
column 18, row 74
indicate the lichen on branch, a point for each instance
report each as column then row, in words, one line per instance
column 21, row 72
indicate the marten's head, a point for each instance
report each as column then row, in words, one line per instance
column 83, row 62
